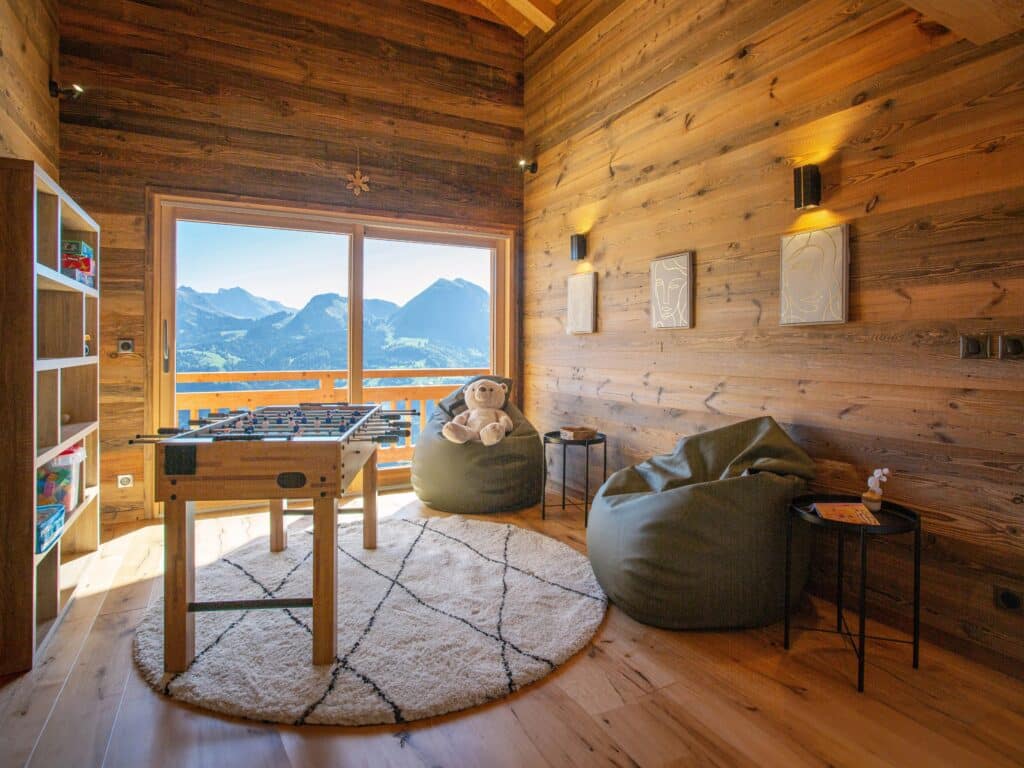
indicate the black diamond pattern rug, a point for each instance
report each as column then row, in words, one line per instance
column 445, row 614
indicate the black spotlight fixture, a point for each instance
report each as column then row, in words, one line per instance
column 527, row 166
column 578, row 247
column 806, row 186
column 71, row 92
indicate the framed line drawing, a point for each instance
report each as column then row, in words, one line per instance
column 672, row 291
column 814, row 276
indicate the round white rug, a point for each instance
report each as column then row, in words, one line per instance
column 446, row 613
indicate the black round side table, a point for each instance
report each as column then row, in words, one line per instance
column 555, row 438
column 892, row 519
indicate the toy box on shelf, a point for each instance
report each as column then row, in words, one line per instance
column 49, row 521
column 77, row 261
column 59, row 481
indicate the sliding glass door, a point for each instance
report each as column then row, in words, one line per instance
column 260, row 305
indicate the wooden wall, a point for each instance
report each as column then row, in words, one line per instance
column 28, row 59
column 662, row 127
column 271, row 98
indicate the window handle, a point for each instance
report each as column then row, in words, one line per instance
column 167, row 349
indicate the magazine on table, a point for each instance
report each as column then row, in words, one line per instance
column 851, row 512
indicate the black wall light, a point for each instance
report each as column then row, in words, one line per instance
column 806, row 186
column 578, row 247
column 71, row 92
column 527, row 166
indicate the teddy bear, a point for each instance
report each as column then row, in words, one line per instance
column 484, row 418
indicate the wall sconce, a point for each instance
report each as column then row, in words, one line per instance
column 578, row 247
column 527, row 166
column 806, row 186
column 72, row 92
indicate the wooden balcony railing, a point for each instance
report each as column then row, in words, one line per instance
column 321, row 388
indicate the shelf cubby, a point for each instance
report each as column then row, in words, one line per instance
column 60, row 324
column 78, row 394
column 48, row 229
column 47, row 408
column 92, row 324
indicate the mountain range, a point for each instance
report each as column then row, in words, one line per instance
column 447, row 325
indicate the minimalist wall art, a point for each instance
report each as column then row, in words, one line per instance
column 814, row 277
column 582, row 310
column 672, row 291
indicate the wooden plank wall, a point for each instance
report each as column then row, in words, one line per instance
column 662, row 127
column 28, row 59
column 270, row 99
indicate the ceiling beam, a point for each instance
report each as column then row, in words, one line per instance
column 541, row 13
column 980, row 21
column 509, row 15
column 467, row 7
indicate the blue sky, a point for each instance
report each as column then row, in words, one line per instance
column 293, row 266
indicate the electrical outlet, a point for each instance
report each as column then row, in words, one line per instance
column 125, row 346
column 125, row 481
column 974, row 347
column 1010, row 347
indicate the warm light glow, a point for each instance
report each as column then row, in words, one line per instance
column 816, row 218
column 583, row 219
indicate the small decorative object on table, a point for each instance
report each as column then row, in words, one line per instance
column 872, row 497
column 577, row 433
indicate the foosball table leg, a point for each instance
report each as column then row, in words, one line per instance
column 278, row 534
column 370, row 503
column 325, row 593
column 179, row 585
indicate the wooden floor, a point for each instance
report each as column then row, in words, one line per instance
column 636, row 696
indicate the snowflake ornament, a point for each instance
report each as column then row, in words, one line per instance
column 358, row 183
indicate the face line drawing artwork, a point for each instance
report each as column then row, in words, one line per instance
column 671, row 291
column 813, row 277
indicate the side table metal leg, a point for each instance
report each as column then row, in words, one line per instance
column 839, row 581
column 785, row 586
column 917, row 593
column 586, row 490
column 863, row 607
column 564, row 446
column 544, row 486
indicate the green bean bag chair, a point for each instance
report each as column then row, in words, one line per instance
column 696, row 539
column 473, row 478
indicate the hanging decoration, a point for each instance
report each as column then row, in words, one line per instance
column 357, row 182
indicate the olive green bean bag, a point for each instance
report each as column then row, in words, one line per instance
column 697, row 538
column 473, row 478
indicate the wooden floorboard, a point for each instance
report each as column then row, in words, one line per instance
column 636, row 696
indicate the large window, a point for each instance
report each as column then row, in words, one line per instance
column 264, row 306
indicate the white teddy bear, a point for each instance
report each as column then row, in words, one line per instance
column 484, row 418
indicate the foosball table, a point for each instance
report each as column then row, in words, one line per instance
column 308, row 451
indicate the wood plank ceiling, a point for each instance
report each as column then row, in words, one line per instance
column 521, row 15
